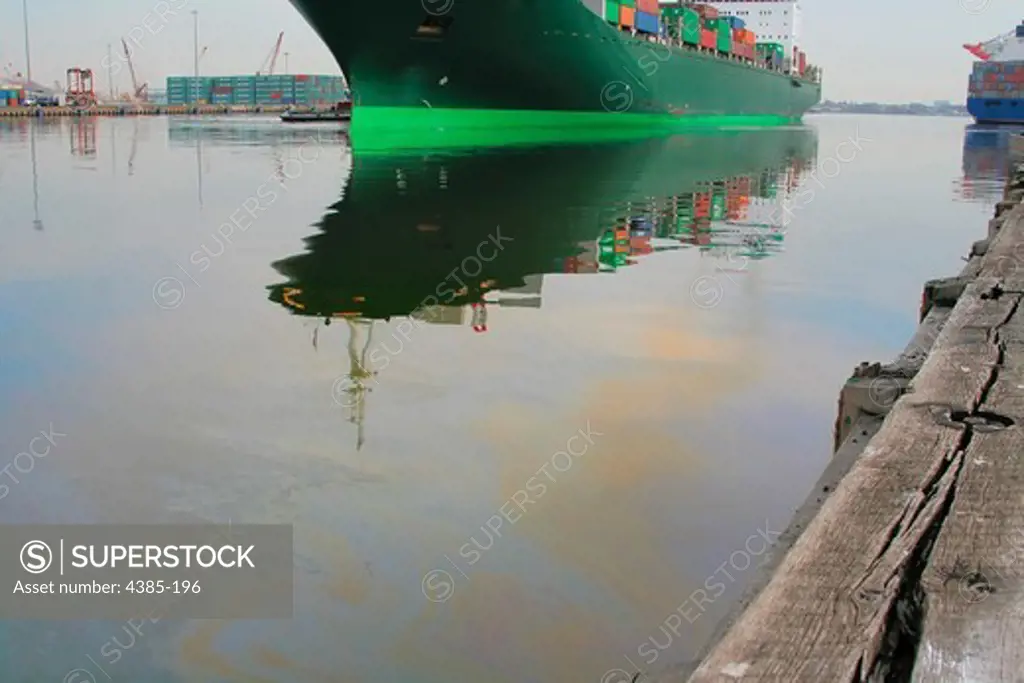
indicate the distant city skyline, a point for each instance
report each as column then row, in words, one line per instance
column 871, row 50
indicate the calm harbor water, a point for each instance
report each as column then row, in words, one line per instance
column 630, row 378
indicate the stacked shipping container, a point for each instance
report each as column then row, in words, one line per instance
column 700, row 25
column 11, row 97
column 799, row 61
column 997, row 80
column 639, row 14
column 305, row 90
column 743, row 42
column 772, row 53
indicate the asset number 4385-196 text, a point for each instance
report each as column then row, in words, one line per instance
column 159, row 587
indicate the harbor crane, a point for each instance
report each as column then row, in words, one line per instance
column 267, row 68
column 140, row 91
column 80, row 91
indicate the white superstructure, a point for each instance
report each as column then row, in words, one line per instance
column 774, row 21
column 1008, row 47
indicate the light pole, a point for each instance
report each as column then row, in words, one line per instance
column 286, row 72
column 37, row 223
column 195, row 81
column 110, row 76
column 28, row 58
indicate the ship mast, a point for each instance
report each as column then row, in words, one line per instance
column 358, row 374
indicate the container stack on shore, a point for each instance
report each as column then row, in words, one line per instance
column 301, row 89
column 138, row 110
column 997, row 80
column 11, row 96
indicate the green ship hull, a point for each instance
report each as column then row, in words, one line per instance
column 501, row 64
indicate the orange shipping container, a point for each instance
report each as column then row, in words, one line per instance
column 627, row 16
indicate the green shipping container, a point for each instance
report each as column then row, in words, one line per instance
column 691, row 27
column 245, row 94
column 628, row 3
column 725, row 39
column 718, row 206
column 611, row 11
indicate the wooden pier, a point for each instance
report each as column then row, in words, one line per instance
column 907, row 563
column 141, row 110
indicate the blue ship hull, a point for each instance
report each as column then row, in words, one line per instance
column 996, row 110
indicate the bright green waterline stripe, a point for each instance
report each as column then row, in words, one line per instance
column 380, row 129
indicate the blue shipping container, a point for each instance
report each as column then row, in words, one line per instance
column 647, row 23
column 736, row 22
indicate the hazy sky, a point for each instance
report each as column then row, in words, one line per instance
column 883, row 50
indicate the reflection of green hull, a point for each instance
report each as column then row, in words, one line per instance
column 422, row 218
column 509, row 63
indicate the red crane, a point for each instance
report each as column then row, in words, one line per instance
column 80, row 92
column 985, row 51
column 271, row 58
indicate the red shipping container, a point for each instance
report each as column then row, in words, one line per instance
column 302, row 78
column 648, row 7
column 708, row 39
column 701, row 205
column 706, row 11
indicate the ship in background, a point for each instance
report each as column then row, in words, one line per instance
column 995, row 92
column 498, row 65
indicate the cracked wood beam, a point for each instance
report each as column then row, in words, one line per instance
column 859, row 597
column 973, row 587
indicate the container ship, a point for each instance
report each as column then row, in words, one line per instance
column 995, row 92
column 500, row 64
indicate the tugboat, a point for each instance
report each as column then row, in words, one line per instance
column 342, row 111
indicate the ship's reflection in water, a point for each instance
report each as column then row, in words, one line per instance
column 986, row 162
column 465, row 236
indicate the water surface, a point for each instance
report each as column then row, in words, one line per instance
column 235, row 320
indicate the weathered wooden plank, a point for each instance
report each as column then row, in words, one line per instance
column 864, row 430
column 974, row 582
column 827, row 613
column 844, row 604
column 1005, row 255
